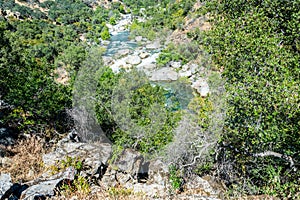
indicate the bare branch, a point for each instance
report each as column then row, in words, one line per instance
column 278, row 155
column 199, row 155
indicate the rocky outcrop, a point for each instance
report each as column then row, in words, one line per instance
column 129, row 170
column 153, row 45
column 41, row 189
column 94, row 155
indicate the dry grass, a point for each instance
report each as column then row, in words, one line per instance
column 25, row 160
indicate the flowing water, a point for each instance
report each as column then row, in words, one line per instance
column 118, row 42
column 178, row 94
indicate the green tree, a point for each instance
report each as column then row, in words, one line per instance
column 28, row 85
column 133, row 113
column 257, row 43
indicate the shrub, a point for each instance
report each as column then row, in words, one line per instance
column 257, row 46
column 105, row 34
column 178, row 52
column 133, row 112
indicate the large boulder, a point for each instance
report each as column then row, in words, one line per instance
column 129, row 161
column 202, row 87
column 122, row 53
column 94, row 156
column 47, row 188
column 153, row 46
column 164, row 74
column 125, row 169
column 133, row 60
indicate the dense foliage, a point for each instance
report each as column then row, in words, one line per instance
column 26, row 78
column 160, row 16
column 257, row 44
column 37, row 47
column 133, row 113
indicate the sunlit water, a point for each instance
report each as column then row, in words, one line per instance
column 118, row 42
column 178, row 94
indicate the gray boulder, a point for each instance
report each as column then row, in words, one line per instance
column 124, row 170
column 164, row 74
column 153, row 45
column 47, row 188
column 109, row 179
column 158, row 172
column 5, row 184
column 94, row 155
column 133, row 60
column 130, row 162
column 123, row 52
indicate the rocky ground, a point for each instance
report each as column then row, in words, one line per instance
column 129, row 175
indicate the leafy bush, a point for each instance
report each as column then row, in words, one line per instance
column 105, row 34
column 27, row 82
column 181, row 52
column 257, row 43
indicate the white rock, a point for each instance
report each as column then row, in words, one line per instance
column 138, row 38
column 133, row 60
column 109, row 26
column 185, row 74
column 144, row 55
column 185, row 67
column 164, row 74
column 202, row 87
column 5, row 183
column 175, row 64
column 194, row 68
column 148, row 61
column 154, row 45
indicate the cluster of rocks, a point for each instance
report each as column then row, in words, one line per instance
column 122, row 24
column 130, row 170
column 144, row 59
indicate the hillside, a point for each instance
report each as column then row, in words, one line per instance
column 149, row 99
